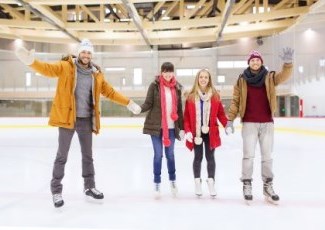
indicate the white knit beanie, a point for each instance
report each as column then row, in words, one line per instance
column 86, row 45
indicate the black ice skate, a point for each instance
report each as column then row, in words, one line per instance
column 269, row 193
column 94, row 193
column 57, row 200
column 247, row 191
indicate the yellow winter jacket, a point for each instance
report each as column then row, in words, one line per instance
column 63, row 111
column 238, row 102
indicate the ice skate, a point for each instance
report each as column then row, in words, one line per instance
column 211, row 187
column 58, row 200
column 94, row 193
column 157, row 190
column 268, row 191
column 198, row 187
column 173, row 188
column 247, row 191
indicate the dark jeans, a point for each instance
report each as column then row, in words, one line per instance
column 209, row 155
column 83, row 127
column 169, row 153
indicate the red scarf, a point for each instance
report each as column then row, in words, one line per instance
column 171, row 84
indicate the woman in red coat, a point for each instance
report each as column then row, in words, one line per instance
column 203, row 109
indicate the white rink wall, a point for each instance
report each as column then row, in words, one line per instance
column 281, row 124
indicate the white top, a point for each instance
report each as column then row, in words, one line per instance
column 168, row 96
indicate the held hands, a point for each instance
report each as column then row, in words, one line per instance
column 25, row 56
column 229, row 127
column 189, row 137
column 287, row 55
column 134, row 107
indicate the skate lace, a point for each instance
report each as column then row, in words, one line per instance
column 57, row 198
column 247, row 189
column 95, row 191
column 269, row 189
column 157, row 187
column 173, row 184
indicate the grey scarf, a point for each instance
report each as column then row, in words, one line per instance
column 257, row 79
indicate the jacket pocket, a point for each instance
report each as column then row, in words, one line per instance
column 61, row 114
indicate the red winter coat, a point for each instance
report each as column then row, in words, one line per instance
column 217, row 111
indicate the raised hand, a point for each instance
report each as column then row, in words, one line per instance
column 25, row 56
column 287, row 55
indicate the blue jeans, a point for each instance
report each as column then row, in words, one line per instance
column 169, row 153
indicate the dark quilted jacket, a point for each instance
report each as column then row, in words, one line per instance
column 152, row 123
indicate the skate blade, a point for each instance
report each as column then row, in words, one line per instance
column 198, row 195
column 59, row 209
column 157, row 196
column 270, row 201
column 249, row 202
column 213, row 196
column 93, row 200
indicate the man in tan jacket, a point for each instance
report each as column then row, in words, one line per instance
column 254, row 99
column 75, row 108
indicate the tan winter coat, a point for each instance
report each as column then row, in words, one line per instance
column 238, row 102
column 63, row 111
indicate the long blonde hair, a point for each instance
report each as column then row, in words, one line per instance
column 194, row 91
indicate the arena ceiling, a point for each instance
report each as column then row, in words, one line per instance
column 150, row 22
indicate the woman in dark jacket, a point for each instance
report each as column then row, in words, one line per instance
column 164, row 122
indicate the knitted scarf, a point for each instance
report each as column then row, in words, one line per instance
column 171, row 84
column 257, row 79
column 206, row 98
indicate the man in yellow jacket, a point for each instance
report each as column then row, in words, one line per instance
column 254, row 99
column 76, row 108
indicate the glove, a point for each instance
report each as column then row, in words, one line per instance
column 134, row 107
column 189, row 137
column 287, row 55
column 229, row 127
column 25, row 56
column 181, row 134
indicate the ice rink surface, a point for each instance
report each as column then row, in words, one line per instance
column 123, row 165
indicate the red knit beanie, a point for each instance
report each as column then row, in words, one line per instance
column 254, row 54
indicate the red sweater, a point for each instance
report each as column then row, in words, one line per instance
column 257, row 105
column 216, row 112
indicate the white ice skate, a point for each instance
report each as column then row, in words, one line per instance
column 173, row 188
column 211, row 187
column 198, row 187
column 157, row 190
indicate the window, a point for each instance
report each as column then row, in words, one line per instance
column 28, row 81
column 221, row 79
column 114, row 69
column 137, row 76
column 232, row 64
column 187, row 72
column 240, row 64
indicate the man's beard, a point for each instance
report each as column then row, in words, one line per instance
column 83, row 63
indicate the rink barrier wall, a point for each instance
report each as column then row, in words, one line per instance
column 302, row 126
